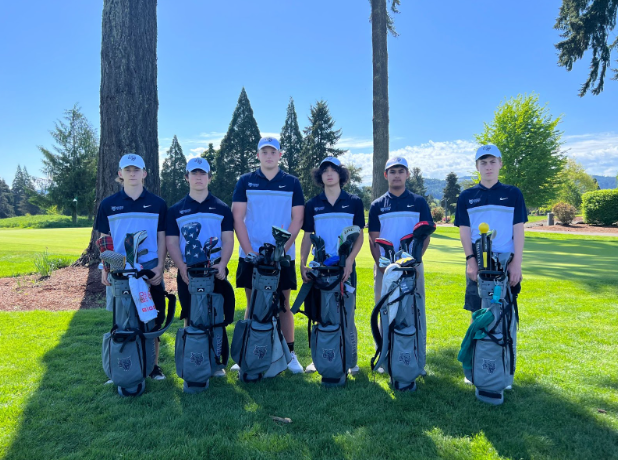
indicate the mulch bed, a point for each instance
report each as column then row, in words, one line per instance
column 577, row 226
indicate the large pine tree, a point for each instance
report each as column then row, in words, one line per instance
column 291, row 141
column 319, row 143
column 21, row 189
column 451, row 192
column 209, row 155
column 173, row 184
column 238, row 152
column 6, row 200
column 416, row 183
column 72, row 169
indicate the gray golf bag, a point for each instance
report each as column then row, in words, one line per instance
column 129, row 348
column 398, row 320
column 258, row 345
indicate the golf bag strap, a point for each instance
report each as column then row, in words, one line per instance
column 375, row 329
column 171, row 310
column 302, row 295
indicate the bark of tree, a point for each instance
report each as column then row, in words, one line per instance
column 379, row 18
column 129, row 101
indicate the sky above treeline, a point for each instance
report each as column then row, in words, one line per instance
column 451, row 66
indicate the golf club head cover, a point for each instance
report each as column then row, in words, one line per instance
column 387, row 246
column 405, row 241
column 131, row 245
column 281, row 237
column 114, row 260
column 319, row 249
column 332, row 261
column 194, row 255
column 421, row 231
column 105, row 243
column 209, row 246
column 346, row 239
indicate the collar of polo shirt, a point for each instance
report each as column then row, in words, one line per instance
column 124, row 195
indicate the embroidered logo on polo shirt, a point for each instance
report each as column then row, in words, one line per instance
column 117, row 208
column 252, row 185
column 321, row 208
column 346, row 206
column 184, row 211
column 505, row 198
column 147, row 205
column 476, row 200
column 410, row 206
column 281, row 186
column 385, row 209
column 212, row 208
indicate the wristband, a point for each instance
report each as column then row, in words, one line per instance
column 469, row 257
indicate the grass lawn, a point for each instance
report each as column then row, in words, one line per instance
column 44, row 221
column 53, row 403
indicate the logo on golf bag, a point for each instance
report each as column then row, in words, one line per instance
column 405, row 357
column 489, row 365
column 353, row 340
column 260, row 351
column 197, row 358
column 219, row 345
column 124, row 364
column 328, row 354
column 268, row 288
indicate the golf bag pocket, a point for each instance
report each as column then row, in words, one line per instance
column 488, row 365
column 124, row 359
column 329, row 306
column 193, row 356
column 238, row 339
column 219, row 348
column 264, row 296
column 327, row 351
column 404, row 368
column 351, row 334
column 258, row 348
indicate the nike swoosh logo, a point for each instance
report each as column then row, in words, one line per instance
column 212, row 208
column 505, row 198
column 147, row 206
column 410, row 206
column 281, row 186
column 346, row 206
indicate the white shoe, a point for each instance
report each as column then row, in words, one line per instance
column 510, row 387
column 310, row 369
column 467, row 382
column 380, row 370
column 235, row 368
column 354, row 370
column 294, row 365
column 109, row 382
column 219, row 373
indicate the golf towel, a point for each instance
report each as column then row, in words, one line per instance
column 140, row 291
column 480, row 320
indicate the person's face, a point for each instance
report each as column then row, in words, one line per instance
column 489, row 168
column 198, row 180
column 132, row 175
column 396, row 176
column 330, row 176
column 269, row 157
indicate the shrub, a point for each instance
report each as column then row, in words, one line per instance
column 437, row 213
column 45, row 263
column 600, row 207
column 564, row 212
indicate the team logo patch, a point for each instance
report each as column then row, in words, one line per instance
column 474, row 201
column 385, row 209
column 489, row 365
column 198, row 161
column 117, row 208
column 197, row 358
column 259, row 351
column 252, row 185
column 321, row 208
column 184, row 211
column 405, row 358
column 132, row 157
column 328, row 354
column 124, row 364
column 219, row 345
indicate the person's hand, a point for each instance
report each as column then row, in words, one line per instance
column 182, row 269
column 515, row 275
column 303, row 273
column 472, row 268
column 381, row 269
column 221, row 271
column 104, row 279
column 347, row 271
column 158, row 272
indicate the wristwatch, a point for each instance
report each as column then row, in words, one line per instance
column 469, row 257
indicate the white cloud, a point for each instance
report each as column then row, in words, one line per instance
column 353, row 143
column 598, row 153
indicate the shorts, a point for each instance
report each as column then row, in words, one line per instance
column 473, row 301
column 244, row 276
column 222, row 287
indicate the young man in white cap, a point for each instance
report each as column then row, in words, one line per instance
column 130, row 210
column 326, row 215
column 215, row 218
column 263, row 198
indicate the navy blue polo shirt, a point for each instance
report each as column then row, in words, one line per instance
column 213, row 215
column 395, row 216
column 327, row 221
column 500, row 206
column 119, row 214
column 269, row 202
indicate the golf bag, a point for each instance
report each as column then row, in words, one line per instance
column 488, row 351
column 129, row 348
column 258, row 345
column 398, row 320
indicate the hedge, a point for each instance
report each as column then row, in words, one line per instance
column 600, row 207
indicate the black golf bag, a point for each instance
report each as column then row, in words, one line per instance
column 397, row 320
column 129, row 348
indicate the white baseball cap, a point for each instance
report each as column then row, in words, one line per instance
column 132, row 159
column 198, row 163
column 396, row 161
column 269, row 142
column 488, row 149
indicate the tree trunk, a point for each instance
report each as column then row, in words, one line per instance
column 129, row 102
column 380, row 95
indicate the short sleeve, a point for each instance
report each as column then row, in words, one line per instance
column 171, row 227
column 298, row 199
column 359, row 213
column 425, row 214
column 240, row 191
column 374, row 219
column 308, row 221
column 162, row 217
column 227, row 224
column 102, row 223
column 461, row 213
column 521, row 213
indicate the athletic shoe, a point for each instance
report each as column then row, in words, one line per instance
column 219, row 373
column 235, row 368
column 354, row 370
column 510, row 387
column 110, row 381
column 294, row 365
column 467, row 382
column 157, row 373
column 310, row 369
column 380, row 370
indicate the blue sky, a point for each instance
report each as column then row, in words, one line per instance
column 452, row 65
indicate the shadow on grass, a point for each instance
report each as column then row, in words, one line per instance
column 71, row 414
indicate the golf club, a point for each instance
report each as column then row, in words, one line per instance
column 387, row 246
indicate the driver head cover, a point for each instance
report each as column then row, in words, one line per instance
column 280, row 234
column 193, row 247
column 347, row 238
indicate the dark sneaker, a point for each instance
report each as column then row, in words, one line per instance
column 157, row 373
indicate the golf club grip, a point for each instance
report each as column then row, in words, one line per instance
column 125, row 271
column 149, row 274
column 484, row 250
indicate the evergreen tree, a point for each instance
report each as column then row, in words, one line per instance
column 173, row 184
column 319, row 143
column 291, row 141
column 416, row 183
column 6, row 200
column 22, row 185
column 209, row 155
column 451, row 192
column 72, row 168
column 355, row 187
column 238, row 152
column 27, row 204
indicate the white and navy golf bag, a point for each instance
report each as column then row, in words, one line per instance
column 202, row 347
column 398, row 321
column 129, row 348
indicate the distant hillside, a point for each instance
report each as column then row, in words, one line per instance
column 606, row 181
column 435, row 187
